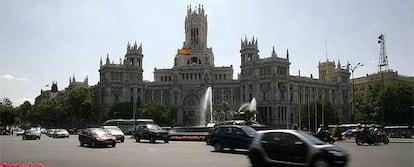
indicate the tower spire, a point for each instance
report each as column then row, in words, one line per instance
column 107, row 58
column 287, row 54
column 274, row 52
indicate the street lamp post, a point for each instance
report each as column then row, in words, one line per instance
column 352, row 69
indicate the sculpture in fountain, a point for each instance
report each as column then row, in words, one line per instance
column 246, row 114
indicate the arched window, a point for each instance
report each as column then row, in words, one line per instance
column 194, row 60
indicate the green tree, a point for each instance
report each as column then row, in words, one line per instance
column 330, row 116
column 79, row 106
column 161, row 114
column 50, row 113
column 25, row 109
column 385, row 104
column 7, row 113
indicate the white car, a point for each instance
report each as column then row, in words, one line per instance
column 115, row 131
column 60, row 133
column 19, row 132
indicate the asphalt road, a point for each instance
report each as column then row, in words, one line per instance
column 67, row 152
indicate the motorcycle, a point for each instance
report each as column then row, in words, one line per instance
column 325, row 136
column 362, row 137
column 383, row 138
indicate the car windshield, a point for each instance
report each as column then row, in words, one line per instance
column 30, row 131
column 153, row 127
column 112, row 128
column 311, row 138
column 99, row 132
column 249, row 130
column 62, row 130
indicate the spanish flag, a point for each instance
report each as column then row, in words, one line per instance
column 185, row 51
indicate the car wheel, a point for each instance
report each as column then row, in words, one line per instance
column 320, row 163
column 359, row 141
column 113, row 145
column 93, row 144
column 24, row 138
column 256, row 159
column 137, row 139
column 166, row 141
column 152, row 139
column 82, row 144
column 386, row 140
column 218, row 147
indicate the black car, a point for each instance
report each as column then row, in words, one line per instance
column 231, row 136
column 294, row 148
column 151, row 132
column 31, row 134
column 95, row 137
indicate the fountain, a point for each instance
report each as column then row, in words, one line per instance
column 246, row 114
column 206, row 104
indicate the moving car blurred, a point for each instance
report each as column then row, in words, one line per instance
column 60, row 133
column 49, row 132
column 95, row 137
column 348, row 134
column 231, row 136
column 19, row 132
column 294, row 148
column 151, row 132
column 115, row 131
column 31, row 134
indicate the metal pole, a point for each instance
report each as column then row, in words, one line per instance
column 287, row 114
column 353, row 96
column 323, row 112
column 316, row 115
column 133, row 109
column 300, row 120
column 309, row 122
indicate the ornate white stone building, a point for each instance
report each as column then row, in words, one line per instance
column 278, row 94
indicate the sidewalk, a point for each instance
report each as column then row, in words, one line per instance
column 392, row 140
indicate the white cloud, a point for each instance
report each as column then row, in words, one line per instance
column 22, row 79
column 8, row 77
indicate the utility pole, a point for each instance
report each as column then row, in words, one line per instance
column 382, row 65
column 309, row 115
column 316, row 114
column 352, row 69
column 323, row 113
column 134, row 107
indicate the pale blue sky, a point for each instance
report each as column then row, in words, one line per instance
column 47, row 40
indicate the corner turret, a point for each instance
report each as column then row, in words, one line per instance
column 249, row 51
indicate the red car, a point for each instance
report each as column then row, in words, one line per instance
column 96, row 137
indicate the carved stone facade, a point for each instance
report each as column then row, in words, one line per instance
column 183, row 86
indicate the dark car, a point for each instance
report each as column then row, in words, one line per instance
column 95, row 137
column 31, row 134
column 151, row 132
column 294, row 148
column 231, row 136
